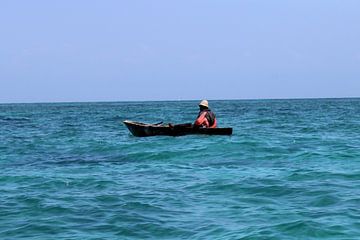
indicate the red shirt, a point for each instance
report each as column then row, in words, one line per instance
column 203, row 121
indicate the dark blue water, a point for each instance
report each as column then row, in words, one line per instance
column 291, row 170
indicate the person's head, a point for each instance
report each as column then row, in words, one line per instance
column 203, row 105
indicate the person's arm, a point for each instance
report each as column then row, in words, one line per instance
column 201, row 120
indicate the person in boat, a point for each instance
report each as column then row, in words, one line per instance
column 206, row 117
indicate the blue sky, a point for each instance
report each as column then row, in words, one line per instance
column 115, row 50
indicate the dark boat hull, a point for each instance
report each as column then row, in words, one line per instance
column 146, row 130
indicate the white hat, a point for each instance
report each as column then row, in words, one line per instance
column 204, row 103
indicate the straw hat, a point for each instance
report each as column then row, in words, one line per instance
column 204, row 103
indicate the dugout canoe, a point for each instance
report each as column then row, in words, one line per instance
column 145, row 130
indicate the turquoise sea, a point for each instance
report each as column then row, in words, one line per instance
column 291, row 170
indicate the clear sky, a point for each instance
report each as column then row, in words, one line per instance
column 113, row 50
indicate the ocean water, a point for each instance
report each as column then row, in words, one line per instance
column 291, row 170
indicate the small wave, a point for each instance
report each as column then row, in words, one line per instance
column 14, row 119
column 264, row 121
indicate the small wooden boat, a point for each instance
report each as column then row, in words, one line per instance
column 145, row 130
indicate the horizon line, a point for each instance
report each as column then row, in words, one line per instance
column 176, row 100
